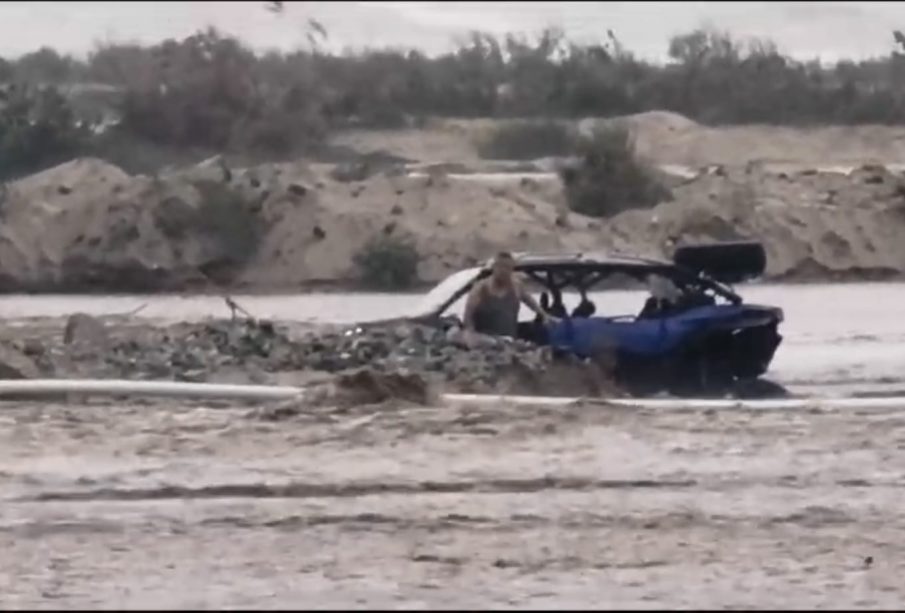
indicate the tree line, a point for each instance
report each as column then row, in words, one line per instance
column 211, row 92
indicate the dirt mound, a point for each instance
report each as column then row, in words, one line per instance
column 665, row 121
column 647, row 126
column 664, row 137
column 814, row 225
column 87, row 225
column 453, row 221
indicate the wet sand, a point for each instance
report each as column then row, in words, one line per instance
column 155, row 505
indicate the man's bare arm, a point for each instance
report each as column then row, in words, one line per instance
column 529, row 300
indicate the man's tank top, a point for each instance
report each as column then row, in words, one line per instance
column 497, row 315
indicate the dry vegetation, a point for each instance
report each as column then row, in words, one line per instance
column 388, row 262
column 528, row 140
column 609, row 177
column 180, row 100
column 211, row 93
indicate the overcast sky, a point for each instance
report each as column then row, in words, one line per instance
column 828, row 30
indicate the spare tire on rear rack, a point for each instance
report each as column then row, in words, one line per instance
column 729, row 262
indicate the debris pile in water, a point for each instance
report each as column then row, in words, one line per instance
column 422, row 349
column 260, row 350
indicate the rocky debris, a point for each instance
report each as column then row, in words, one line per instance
column 425, row 350
column 372, row 362
column 84, row 329
column 193, row 352
column 16, row 364
column 188, row 352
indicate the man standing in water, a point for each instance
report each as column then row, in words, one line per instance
column 493, row 304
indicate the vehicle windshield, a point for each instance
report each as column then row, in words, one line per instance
column 435, row 298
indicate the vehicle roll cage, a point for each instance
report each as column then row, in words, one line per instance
column 585, row 275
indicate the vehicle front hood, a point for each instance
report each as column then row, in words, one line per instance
column 772, row 311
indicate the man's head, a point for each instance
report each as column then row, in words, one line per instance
column 503, row 266
column 662, row 288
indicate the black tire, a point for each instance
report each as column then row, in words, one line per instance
column 697, row 376
column 759, row 389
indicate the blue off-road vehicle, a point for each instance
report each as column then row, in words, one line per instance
column 694, row 336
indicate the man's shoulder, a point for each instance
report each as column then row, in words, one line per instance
column 518, row 283
column 479, row 286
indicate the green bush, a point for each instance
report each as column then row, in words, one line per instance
column 211, row 94
column 46, row 65
column 233, row 227
column 209, row 91
column 528, row 140
column 7, row 71
column 609, row 178
column 38, row 129
column 388, row 262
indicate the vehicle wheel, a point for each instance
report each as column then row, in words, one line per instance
column 639, row 378
column 756, row 389
column 705, row 378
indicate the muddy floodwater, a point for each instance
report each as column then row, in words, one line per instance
column 838, row 339
column 187, row 505
column 197, row 507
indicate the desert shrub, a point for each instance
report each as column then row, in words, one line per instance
column 194, row 93
column 609, row 177
column 527, row 140
column 47, row 66
column 137, row 156
column 38, row 129
column 233, row 227
column 119, row 64
column 388, row 262
column 7, row 71
column 209, row 91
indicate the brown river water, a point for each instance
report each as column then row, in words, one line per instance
column 153, row 504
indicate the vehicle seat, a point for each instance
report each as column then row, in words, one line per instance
column 544, row 303
column 655, row 307
column 585, row 308
column 557, row 309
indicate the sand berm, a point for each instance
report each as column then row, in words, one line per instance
column 827, row 203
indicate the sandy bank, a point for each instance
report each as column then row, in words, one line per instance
column 88, row 226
